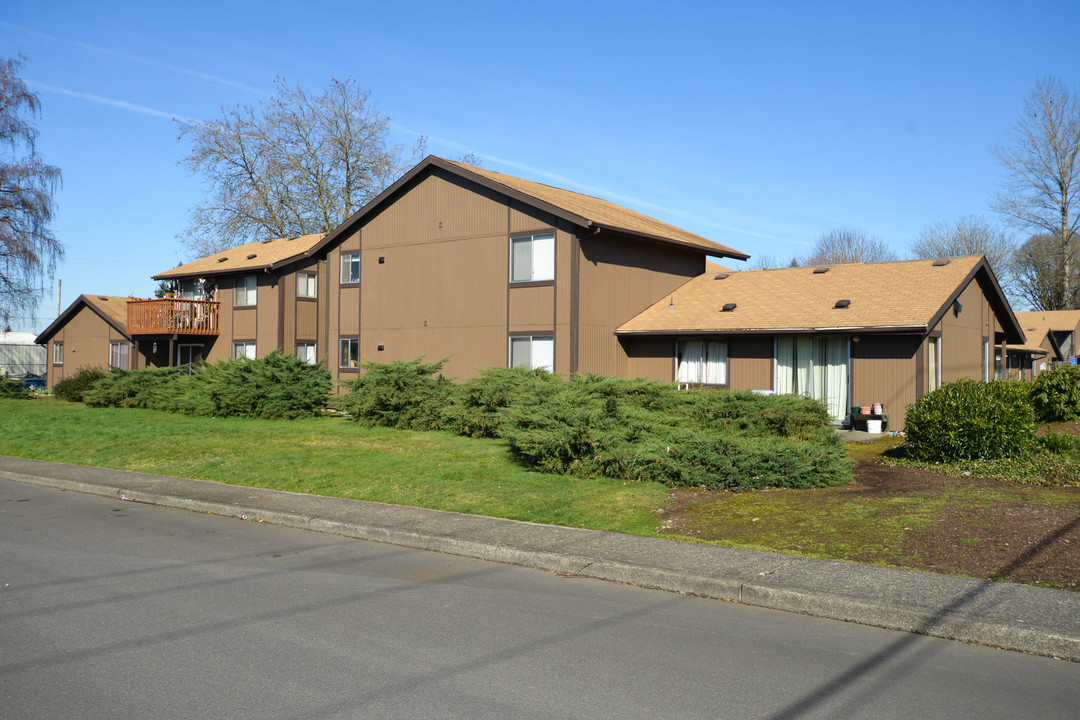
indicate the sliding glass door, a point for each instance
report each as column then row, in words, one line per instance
column 816, row 367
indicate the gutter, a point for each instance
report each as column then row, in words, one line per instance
column 904, row 329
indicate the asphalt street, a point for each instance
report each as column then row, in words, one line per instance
column 118, row 609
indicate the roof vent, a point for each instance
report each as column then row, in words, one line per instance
column 842, row 304
column 728, row 307
column 819, row 270
column 941, row 262
column 267, row 241
column 102, row 297
column 720, row 276
column 251, row 256
column 222, row 259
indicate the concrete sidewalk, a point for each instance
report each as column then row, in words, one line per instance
column 1019, row 617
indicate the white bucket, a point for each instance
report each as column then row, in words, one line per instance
column 873, row 426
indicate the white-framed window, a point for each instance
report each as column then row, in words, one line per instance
column 986, row 360
column 701, row 362
column 350, row 268
column 306, row 285
column 533, row 351
column 58, row 353
column 349, row 353
column 305, row 352
column 243, row 350
column 118, row 355
column 532, row 258
column 933, row 364
column 244, row 291
column 816, row 367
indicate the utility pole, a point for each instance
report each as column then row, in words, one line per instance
column 59, row 287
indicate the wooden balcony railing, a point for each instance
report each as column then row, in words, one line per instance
column 173, row 315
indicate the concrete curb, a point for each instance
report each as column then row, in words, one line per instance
column 1018, row 617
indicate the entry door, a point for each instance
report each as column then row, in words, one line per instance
column 188, row 355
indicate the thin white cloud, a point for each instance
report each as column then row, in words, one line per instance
column 136, row 58
column 121, row 104
column 604, row 193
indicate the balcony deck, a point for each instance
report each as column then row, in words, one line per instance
column 169, row 316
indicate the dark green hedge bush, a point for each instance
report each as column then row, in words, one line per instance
column 1055, row 393
column 72, row 387
column 479, row 406
column 629, row 429
column 276, row 386
column 645, row 430
column 13, row 390
column 970, row 420
column 133, row 388
column 403, row 394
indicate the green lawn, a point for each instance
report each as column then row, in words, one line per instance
column 331, row 456
column 327, row 456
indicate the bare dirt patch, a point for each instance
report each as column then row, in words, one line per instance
column 905, row 517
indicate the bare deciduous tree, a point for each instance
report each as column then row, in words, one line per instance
column 28, row 249
column 970, row 235
column 294, row 165
column 848, row 245
column 1041, row 193
column 1037, row 264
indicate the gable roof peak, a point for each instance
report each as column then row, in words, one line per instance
column 585, row 211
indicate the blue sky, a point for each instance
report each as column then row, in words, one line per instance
column 757, row 125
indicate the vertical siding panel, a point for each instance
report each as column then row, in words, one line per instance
column 884, row 370
column 647, row 357
column 620, row 277
column 440, row 291
column 750, row 365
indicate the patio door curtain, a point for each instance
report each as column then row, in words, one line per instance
column 815, row 367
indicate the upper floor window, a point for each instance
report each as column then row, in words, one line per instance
column 536, row 352
column 532, row 258
column 701, row 362
column 118, row 355
column 350, row 267
column 306, row 285
column 243, row 350
column 58, row 353
column 244, row 291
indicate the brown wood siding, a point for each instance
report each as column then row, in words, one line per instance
column 437, row 207
column 750, row 363
column 652, row 358
column 962, row 336
column 86, row 339
column 884, row 370
column 531, row 308
column 268, row 309
column 245, row 326
column 441, row 292
column 343, row 307
column 307, row 321
column 222, row 349
column 620, row 277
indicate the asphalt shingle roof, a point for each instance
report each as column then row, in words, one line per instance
column 880, row 295
column 251, row 256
